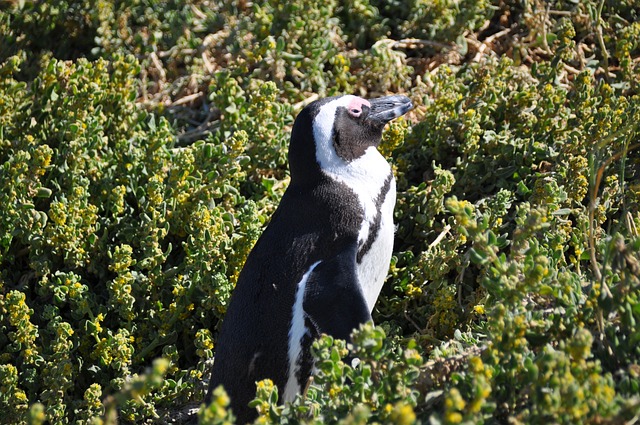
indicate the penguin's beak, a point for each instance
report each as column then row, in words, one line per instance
column 385, row 109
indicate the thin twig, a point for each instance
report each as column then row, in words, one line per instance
column 560, row 12
column 497, row 35
column 603, row 47
column 441, row 236
column 298, row 106
column 631, row 225
column 187, row 99
column 156, row 62
column 486, row 43
column 571, row 70
column 410, row 320
column 412, row 43
column 201, row 130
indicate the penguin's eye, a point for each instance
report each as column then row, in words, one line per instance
column 357, row 107
column 358, row 112
column 355, row 112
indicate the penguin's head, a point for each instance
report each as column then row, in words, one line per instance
column 336, row 131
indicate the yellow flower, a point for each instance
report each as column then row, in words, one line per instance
column 476, row 364
column 453, row 417
column 455, row 400
column 479, row 309
column 265, row 384
column 413, row 291
column 222, row 399
column 403, row 414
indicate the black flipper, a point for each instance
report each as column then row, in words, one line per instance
column 333, row 299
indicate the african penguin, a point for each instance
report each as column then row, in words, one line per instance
column 320, row 264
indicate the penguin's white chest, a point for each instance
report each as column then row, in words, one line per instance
column 375, row 242
column 371, row 179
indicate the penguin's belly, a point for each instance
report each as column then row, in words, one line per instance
column 373, row 266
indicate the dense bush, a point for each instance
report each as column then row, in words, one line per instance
column 142, row 155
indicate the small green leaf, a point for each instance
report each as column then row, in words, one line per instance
column 546, row 290
column 43, row 192
column 476, row 257
column 562, row 211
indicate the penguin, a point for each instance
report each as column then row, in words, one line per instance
column 320, row 264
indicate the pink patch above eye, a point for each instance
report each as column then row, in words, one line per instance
column 356, row 104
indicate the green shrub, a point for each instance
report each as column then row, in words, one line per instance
column 142, row 154
column 116, row 247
